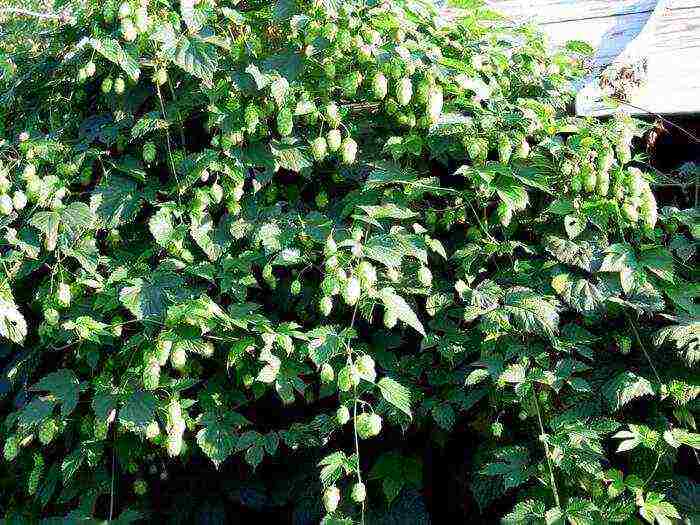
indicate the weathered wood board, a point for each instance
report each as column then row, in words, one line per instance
column 666, row 33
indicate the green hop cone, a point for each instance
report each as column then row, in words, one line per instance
column 163, row 347
column 48, row 431
column 321, row 199
column 623, row 151
column 365, row 367
column 319, row 148
column 342, row 415
column 359, row 492
column 425, row 276
column 63, row 295
column 11, row 448
column 295, row 288
column 35, row 474
column 160, row 77
column 173, row 444
column 423, row 90
column 124, row 10
column 351, row 291
column 101, row 429
column 332, row 114
column 368, row 425
column 325, row 305
column 142, row 22
column 140, row 487
column 151, row 373
column 152, row 430
column 348, row 150
column 267, row 274
column 285, row 122
column 635, row 183
column 345, row 379
column 434, row 106
column 128, row 30
column 327, row 374
column 576, row 184
column 605, row 159
column 251, row 116
column 19, row 200
column 349, row 84
column 588, row 178
column 331, row 498
column 6, row 206
column 330, row 248
column 505, row 148
column 178, row 357
column 106, row 85
column 329, row 69
column 334, row 140
column 119, row 85
column 602, row 186
column 522, row 148
column 390, row 318
column 217, row 193
column 380, row 86
column 630, row 211
column 477, row 148
column 149, row 152
column 648, row 210
column 404, row 91
column 367, row 274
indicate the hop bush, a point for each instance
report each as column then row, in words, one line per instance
column 363, row 207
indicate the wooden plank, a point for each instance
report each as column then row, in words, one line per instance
column 552, row 11
column 670, row 43
column 608, row 36
column 673, row 70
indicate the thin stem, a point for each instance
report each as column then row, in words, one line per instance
column 179, row 116
column 546, row 451
column 111, row 489
column 167, row 137
column 661, row 117
column 641, row 345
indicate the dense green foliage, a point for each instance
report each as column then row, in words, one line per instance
column 210, row 208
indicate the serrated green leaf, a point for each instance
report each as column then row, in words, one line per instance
column 403, row 311
column 64, row 386
column 396, row 395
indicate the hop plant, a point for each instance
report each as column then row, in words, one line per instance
column 377, row 154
